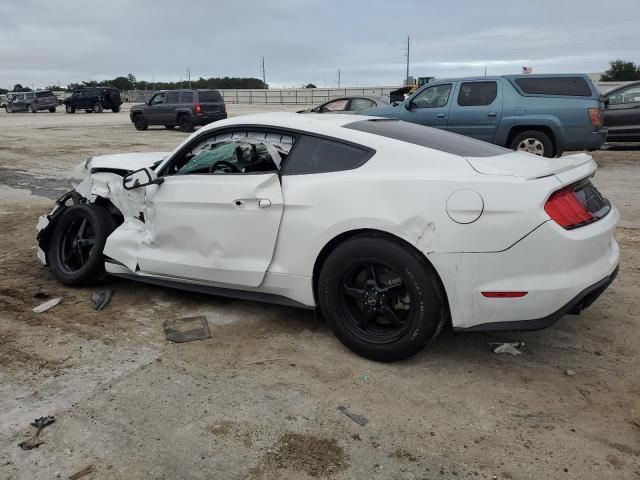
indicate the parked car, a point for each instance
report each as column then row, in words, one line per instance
column 184, row 108
column 31, row 101
column 540, row 114
column 390, row 228
column 622, row 113
column 94, row 99
column 349, row 105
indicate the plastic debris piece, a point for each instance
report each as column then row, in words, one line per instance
column 508, row 347
column 43, row 307
column 359, row 419
column 34, row 440
column 187, row 329
column 365, row 377
column 101, row 298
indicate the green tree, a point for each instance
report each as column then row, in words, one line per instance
column 3, row 91
column 310, row 85
column 19, row 88
column 621, row 71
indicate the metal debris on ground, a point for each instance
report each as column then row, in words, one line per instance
column 187, row 329
column 508, row 347
column 101, row 298
column 85, row 471
column 43, row 307
column 41, row 293
column 359, row 419
column 34, row 440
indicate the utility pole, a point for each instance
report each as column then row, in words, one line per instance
column 189, row 75
column 264, row 75
column 408, row 44
column 338, row 78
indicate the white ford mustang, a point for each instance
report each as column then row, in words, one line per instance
column 392, row 229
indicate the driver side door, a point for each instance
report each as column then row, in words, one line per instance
column 216, row 216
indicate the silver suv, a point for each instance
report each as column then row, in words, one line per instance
column 31, row 101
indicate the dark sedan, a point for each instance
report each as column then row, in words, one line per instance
column 350, row 105
column 622, row 113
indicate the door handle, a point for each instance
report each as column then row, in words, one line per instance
column 440, row 115
column 491, row 114
column 264, row 203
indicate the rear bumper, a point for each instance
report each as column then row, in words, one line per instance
column 573, row 307
column 559, row 269
column 204, row 119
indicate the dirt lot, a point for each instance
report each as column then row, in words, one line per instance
column 259, row 399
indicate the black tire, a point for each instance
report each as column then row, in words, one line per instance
column 399, row 274
column 139, row 122
column 169, row 127
column 533, row 141
column 69, row 109
column 97, row 107
column 30, row 109
column 7, row 109
column 185, row 123
column 52, row 110
column 116, row 109
column 81, row 264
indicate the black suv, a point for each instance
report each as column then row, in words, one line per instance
column 184, row 108
column 94, row 99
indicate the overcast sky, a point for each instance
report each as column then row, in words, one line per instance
column 64, row 41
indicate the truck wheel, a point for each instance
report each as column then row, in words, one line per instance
column 140, row 123
column 533, row 141
column 97, row 107
column 52, row 110
column 75, row 252
column 380, row 299
column 8, row 109
column 116, row 109
column 185, row 123
column 70, row 109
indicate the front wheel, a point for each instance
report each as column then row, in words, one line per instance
column 7, row 108
column 533, row 141
column 380, row 298
column 140, row 123
column 70, row 109
column 97, row 107
column 75, row 252
column 116, row 109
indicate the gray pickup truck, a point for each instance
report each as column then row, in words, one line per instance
column 184, row 108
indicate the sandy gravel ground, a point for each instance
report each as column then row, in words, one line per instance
column 259, row 399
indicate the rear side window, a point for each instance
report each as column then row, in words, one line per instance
column 173, row 97
column 569, row 86
column 210, row 96
column 477, row 93
column 187, row 97
column 429, row 137
column 43, row 94
column 321, row 155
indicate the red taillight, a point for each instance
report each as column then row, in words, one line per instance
column 596, row 117
column 198, row 108
column 567, row 209
column 504, row 294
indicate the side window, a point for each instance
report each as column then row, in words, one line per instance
column 627, row 95
column 187, row 97
column 320, row 155
column 432, row 97
column 335, row 106
column 477, row 93
column 158, row 99
column 232, row 152
column 173, row 97
column 358, row 104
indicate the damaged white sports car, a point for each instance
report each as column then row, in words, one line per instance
column 392, row 229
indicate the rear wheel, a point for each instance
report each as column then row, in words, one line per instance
column 116, row 109
column 140, row 123
column 70, row 109
column 97, row 107
column 75, row 252
column 533, row 141
column 380, row 299
column 185, row 123
column 52, row 110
